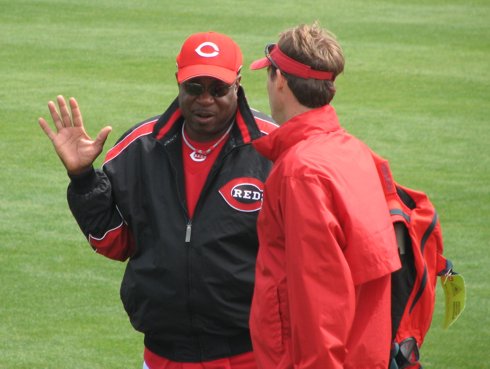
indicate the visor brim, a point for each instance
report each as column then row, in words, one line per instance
column 260, row 64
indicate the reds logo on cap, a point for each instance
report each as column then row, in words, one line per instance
column 243, row 194
column 201, row 50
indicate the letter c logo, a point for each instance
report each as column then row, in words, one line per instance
column 204, row 54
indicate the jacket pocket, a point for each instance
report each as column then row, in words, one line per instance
column 266, row 320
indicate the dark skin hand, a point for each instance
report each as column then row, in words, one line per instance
column 76, row 149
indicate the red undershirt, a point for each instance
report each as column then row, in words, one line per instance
column 196, row 173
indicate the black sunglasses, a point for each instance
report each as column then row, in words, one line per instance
column 215, row 90
column 267, row 52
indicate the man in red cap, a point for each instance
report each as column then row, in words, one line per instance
column 178, row 196
column 327, row 246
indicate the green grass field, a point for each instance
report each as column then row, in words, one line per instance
column 416, row 88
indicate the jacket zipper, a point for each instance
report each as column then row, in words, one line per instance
column 188, row 230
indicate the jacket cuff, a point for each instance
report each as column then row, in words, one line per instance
column 83, row 182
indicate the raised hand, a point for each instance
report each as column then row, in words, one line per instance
column 75, row 148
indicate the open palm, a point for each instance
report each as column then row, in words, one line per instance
column 73, row 145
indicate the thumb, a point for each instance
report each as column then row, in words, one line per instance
column 102, row 136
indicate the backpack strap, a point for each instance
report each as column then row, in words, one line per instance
column 398, row 205
column 384, row 173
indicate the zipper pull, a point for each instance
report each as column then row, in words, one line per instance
column 188, row 232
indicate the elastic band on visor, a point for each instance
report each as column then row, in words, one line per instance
column 295, row 68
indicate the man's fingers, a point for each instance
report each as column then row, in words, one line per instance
column 55, row 115
column 75, row 113
column 65, row 115
column 45, row 127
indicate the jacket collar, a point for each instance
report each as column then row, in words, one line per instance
column 244, row 131
column 298, row 128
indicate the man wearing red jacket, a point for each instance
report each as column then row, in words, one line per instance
column 322, row 296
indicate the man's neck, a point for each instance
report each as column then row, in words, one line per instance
column 291, row 109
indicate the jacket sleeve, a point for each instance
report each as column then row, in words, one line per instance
column 92, row 204
column 320, row 289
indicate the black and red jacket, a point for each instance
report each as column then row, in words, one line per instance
column 188, row 283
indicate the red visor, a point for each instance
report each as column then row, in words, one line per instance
column 274, row 56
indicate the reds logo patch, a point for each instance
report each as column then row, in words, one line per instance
column 204, row 50
column 243, row 194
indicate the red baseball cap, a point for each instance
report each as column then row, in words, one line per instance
column 209, row 54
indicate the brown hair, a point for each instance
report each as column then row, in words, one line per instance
column 318, row 48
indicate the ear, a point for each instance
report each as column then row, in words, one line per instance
column 237, row 83
column 281, row 81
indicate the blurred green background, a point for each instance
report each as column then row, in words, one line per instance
column 415, row 88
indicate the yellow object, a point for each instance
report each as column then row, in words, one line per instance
column 455, row 293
